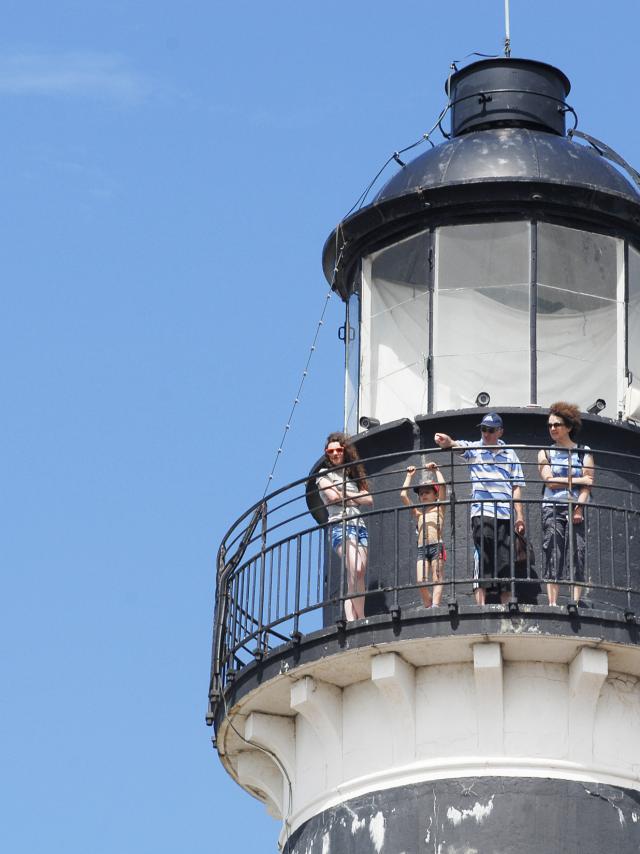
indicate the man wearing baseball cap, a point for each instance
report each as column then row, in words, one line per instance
column 496, row 489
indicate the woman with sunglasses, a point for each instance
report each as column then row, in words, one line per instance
column 343, row 487
column 566, row 469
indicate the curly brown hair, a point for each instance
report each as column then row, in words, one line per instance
column 355, row 470
column 569, row 413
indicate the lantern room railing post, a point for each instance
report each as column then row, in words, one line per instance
column 395, row 611
column 342, row 615
column 295, row 634
column 452, row 533
column 513, row 600
column 261, row 641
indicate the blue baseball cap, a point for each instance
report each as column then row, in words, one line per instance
column 492, row 419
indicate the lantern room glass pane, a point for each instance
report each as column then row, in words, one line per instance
column 485, row 254
column 395, row 331
column 633, row 334
column 577, row 260
column 481, row 330
column 352, row 358
column 579, row 310
column 576, row 348
column 632, row 381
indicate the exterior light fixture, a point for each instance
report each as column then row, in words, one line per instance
column 367, row 423
column 483, row 399
column 597, row 406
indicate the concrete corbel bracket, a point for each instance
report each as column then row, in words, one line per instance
column 320, row 704
column 587, row 674
column 487, row 670
column 395, row 680
column 257, row 772
column 276, row 734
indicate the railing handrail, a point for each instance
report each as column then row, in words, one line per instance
column 458, row 502
column 453, row 452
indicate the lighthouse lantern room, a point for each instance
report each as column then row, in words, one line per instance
column 503, row 261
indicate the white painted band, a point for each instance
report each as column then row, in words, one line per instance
column 463, row 767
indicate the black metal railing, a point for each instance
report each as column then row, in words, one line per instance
column 279, row 578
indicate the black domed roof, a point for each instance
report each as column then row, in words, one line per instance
column 509, row 154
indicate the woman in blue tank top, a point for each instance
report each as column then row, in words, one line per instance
column 567, row 470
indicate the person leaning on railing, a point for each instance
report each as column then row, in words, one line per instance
column 429, row 514
column 343, row 487
column 496, row 479
column 567, row 470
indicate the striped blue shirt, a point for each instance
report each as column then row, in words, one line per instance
column 558, row 459
column 494, row 471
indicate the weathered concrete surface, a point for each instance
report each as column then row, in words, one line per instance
column 500, row 815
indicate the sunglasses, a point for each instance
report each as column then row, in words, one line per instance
column 489, row 429
column 334, row 451
column 553, row 424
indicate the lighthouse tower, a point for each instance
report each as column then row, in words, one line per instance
column 497, row 272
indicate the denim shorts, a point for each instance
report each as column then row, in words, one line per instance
column 352, row 530
column 432, row 551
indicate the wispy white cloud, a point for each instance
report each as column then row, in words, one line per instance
column 72, row 75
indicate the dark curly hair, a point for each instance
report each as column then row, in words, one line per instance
column 355, row 470
column 570, row 414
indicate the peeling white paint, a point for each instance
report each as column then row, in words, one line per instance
column 451, row 849
column 621, row 817
column 428, row 836
column 376, row 831
column 478, row 812
column 512, row 626
column 348, row 809
column 454, row 816
column 357, row 824
column 325, row 844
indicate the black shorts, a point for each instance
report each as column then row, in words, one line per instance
column 432, row 551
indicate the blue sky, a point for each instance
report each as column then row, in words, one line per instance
column 169, row 173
